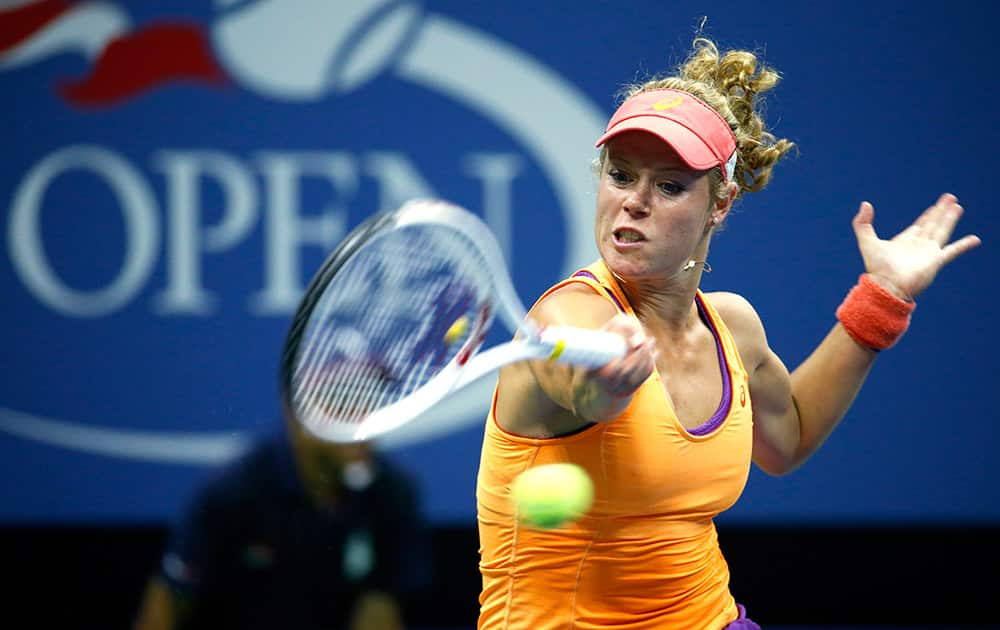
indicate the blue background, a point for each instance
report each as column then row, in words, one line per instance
column 890, row 102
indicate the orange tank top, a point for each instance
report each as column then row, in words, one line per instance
column 646, row 555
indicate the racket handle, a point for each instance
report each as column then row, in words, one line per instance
column 580, row 346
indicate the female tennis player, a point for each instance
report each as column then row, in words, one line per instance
column 668, row 432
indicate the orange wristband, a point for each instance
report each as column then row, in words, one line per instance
column 873, row 316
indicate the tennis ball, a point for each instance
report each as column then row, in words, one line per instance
column 456, row 330
column 552, row 495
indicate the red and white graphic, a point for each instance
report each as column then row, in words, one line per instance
column 126, row 61
column 312, row 46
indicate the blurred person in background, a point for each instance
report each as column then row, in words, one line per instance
column 296, row 533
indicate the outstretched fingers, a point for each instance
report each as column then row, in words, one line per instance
column 938, row 221
column 912, row 258
column 951, row 251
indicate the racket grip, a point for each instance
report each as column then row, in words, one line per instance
column 580, row 346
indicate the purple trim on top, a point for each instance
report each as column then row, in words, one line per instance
column 742, row 621
column 611, row 293
column 727, row 391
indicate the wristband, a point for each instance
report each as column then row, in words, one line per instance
column 873, row 316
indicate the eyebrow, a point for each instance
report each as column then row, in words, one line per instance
column 680, row 167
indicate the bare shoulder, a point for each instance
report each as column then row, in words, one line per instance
column 574, row 304
column 735, row 309
column 743, row 322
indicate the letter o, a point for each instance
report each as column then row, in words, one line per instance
column 142, row 231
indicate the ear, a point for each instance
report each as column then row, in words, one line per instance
column 722, row 206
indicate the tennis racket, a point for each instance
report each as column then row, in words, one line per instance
column 395, row 320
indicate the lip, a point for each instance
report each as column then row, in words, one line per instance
column 627, row 244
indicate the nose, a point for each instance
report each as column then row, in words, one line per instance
column 636, row 201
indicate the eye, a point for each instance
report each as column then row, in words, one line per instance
column 672, row 188
column 618, row 176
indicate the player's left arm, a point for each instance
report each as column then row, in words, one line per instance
column 794, row 413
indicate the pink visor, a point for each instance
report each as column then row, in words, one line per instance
column 694, row 130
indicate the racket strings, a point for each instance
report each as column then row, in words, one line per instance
column 378, row 332
column 352, row 384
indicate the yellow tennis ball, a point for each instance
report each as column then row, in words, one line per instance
column 456, row 330
column 552, row 495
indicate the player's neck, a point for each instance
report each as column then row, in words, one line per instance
column 671, row 312
column 669, row 303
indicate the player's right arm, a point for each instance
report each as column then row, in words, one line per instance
column 544, row 398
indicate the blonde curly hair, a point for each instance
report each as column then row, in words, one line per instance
column 730, row 83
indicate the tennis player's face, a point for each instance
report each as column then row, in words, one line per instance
column 652, row 210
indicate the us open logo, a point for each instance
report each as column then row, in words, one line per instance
column 319, row 52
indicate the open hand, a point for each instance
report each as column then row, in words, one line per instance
column 909, row 261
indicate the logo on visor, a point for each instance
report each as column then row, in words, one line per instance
column 667, row 103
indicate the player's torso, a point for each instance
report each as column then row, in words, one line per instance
column 646, row 553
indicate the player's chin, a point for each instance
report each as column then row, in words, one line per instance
column 625, row 264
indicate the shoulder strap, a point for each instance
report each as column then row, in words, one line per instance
column 725, row 336
column 600, row 280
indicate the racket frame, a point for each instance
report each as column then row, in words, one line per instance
column 563, row 344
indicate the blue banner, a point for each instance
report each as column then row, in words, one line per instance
column 174, row 172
